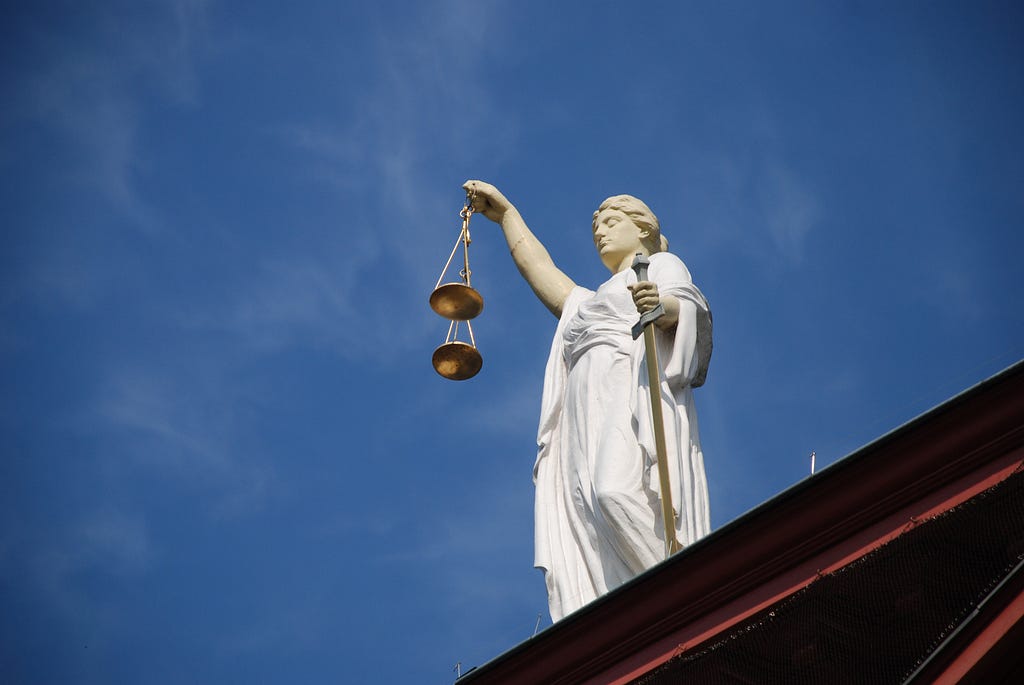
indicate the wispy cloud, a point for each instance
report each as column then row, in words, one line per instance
column 754, row 204
column 188, row 41
column 515, row 411
column 83, row 99
column 180, row 423
column 790, row 210
column 87, row 90
column 107, row 542
column 744, row 194
column 117, row 541
column 300, row 298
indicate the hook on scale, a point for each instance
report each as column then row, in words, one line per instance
column 459, row 302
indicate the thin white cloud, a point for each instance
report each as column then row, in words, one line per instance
column 89, row 94
column 745, row 197
column 118, row 542
column 790, row 210
column 953, row 290
column 187, row 41
column 299, row 298
column 755, row 205
column 478, row 560
column 84, row 100
column 145, row 403
column 50, row 563
column 180, row 423
column 477, row 527
column 515, row 411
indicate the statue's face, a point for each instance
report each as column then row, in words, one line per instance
column 615, row 236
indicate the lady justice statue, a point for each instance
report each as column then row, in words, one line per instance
column 598, row 518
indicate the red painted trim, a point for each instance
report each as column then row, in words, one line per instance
column 969, row 659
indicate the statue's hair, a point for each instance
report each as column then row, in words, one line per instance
column 641, row 215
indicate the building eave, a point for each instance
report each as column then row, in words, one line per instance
column 930, row 463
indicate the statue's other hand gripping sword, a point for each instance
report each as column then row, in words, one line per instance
column 640, row 264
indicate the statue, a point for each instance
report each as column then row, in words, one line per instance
column 598, row 517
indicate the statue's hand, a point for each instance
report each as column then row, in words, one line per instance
column 488, row 200
column 645, row 296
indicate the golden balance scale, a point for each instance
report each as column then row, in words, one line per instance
column 458, row 302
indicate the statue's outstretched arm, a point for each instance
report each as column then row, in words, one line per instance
column 549, row 283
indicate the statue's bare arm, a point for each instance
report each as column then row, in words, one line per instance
column 549, row 283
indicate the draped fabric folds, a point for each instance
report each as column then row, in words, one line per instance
column 597, row 512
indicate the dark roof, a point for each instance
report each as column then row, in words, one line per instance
column 884, row 616
column 751, row 563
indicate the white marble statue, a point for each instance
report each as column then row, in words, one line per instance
column 598, row 516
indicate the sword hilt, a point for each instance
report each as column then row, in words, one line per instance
column 640, row 264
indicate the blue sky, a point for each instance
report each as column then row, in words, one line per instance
column 225, row 455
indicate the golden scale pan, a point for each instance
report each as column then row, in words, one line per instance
column 459, row 302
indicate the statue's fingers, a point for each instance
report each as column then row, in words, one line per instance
column 474, row 188
column 644, row 304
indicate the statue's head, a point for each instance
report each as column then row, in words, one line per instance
column 641, row 215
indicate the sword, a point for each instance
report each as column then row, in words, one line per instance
column 643, row 326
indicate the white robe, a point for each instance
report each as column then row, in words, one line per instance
column 598, row 516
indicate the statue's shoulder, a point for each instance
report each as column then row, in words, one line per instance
column 666, row 266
